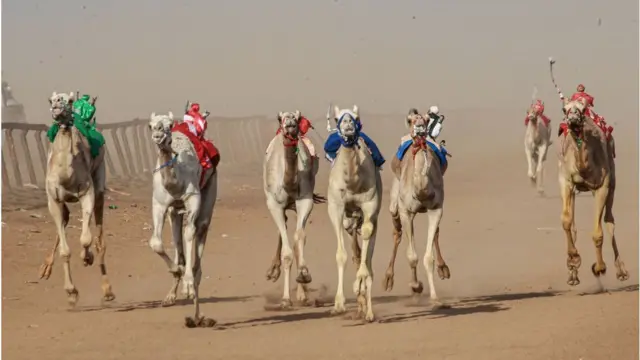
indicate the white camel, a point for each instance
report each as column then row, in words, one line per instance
column 537, row 139
column 180, row 188
column 289, row 173
column 354, row 197
column 72, row 176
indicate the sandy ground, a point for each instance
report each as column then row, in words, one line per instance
column 503, row 243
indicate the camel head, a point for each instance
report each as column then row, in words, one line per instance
column 574, row 113
column 289, row 123
column 348, row 123
column 62, row 108
column 160, row 126
column 417, row 124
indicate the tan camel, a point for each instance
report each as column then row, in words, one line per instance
column 537, row 138
column 72, row 176
column 354, row 197
column 418, row 187
column 586, row 163
column 289, row 173
column 180, row 188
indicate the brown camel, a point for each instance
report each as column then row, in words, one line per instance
column 586, row 163
column 418, row 187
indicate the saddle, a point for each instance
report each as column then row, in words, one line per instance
column 440, row 152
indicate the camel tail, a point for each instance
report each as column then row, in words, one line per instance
column 319, row 199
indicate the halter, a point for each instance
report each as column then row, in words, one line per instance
column 344, row 140
column 293, row 140
column 419, row 144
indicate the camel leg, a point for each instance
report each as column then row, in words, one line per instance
column 364, row 277
column 158, row 213
column 434, row 217
column 47, row 266
column 568, row 225
column 175, row 220
column 101, row 247
column 192, row 207
column 58, row 212
column 609, row 223
column 529, row 153
column 443, row 269
column 336, row 215
column 273, row 273
column 397, row 236
column 286, row 254
column 87, row 202
column 304, row 208
column 599, row 267
column 406, row 218
column 542, row 154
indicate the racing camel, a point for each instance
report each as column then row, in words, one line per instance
column 586, row 163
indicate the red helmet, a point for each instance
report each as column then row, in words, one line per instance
column 195, row 107
column 580, row 88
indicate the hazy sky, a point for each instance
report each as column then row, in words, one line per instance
column 258, row 57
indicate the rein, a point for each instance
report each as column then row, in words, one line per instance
column 166, row 164
column 419, row 144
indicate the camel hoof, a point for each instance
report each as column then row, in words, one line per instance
column 169, row 300
column 304, row 277
column 622, row 273
column 573, row 278
column 45, row 271
column 87, row 259
column 189, row 289
column 369, row 318
column 201, row 322
column 286, row 304
column 387, row 283
column 417, row 288
column 338, row 310
column 108, row 297
column 273, row 273
column 574, row 262
column 72, row 297
column 444, row 272
column 598, row 270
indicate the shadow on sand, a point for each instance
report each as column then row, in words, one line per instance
column 153, row 304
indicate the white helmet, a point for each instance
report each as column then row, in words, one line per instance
column 434, row 110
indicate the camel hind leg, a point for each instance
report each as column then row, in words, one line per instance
column 406, row 218
column 542, row 155
column 609, row 221
column 286, row 253
column 336, row 215
column 101, row 247
column 87, row 203
column 434, row 217
column 363, row 284
column 303, row 208
column 47, row 266
column 175, row 220
column 530, row 163
column 443, row 269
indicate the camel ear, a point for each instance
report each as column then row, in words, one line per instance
column 355, row 110
column 153, row 115
column 408, row 120
column 413, row 111
column 280, row 115
column 71, row 96
column 170, row 115
column 336, row 111
column 297, row 115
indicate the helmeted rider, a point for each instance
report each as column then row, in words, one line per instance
column 197, row 122
column 538, row 111
column 333, row 142
column 434, row 125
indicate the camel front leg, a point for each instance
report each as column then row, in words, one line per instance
column 568, row 224
column 443, row 269
column 599, row 267
column 87, row 203
column 175, row 220
column 406, row 218
column 304, row 208
column 47, row 266
column 397, row 236
column 286, row 254
column 159, row 211
column 192, row 207
column 433, row 217
column 542, row 154
column 60, row 215
column 609, row 222
column 336, row 215
column 101, row 247
column 363, row 284
column 530, row 163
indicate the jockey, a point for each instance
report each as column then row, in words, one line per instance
column 538, row 110
column 197, row 122
column 581, row 94
column 333, row 143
